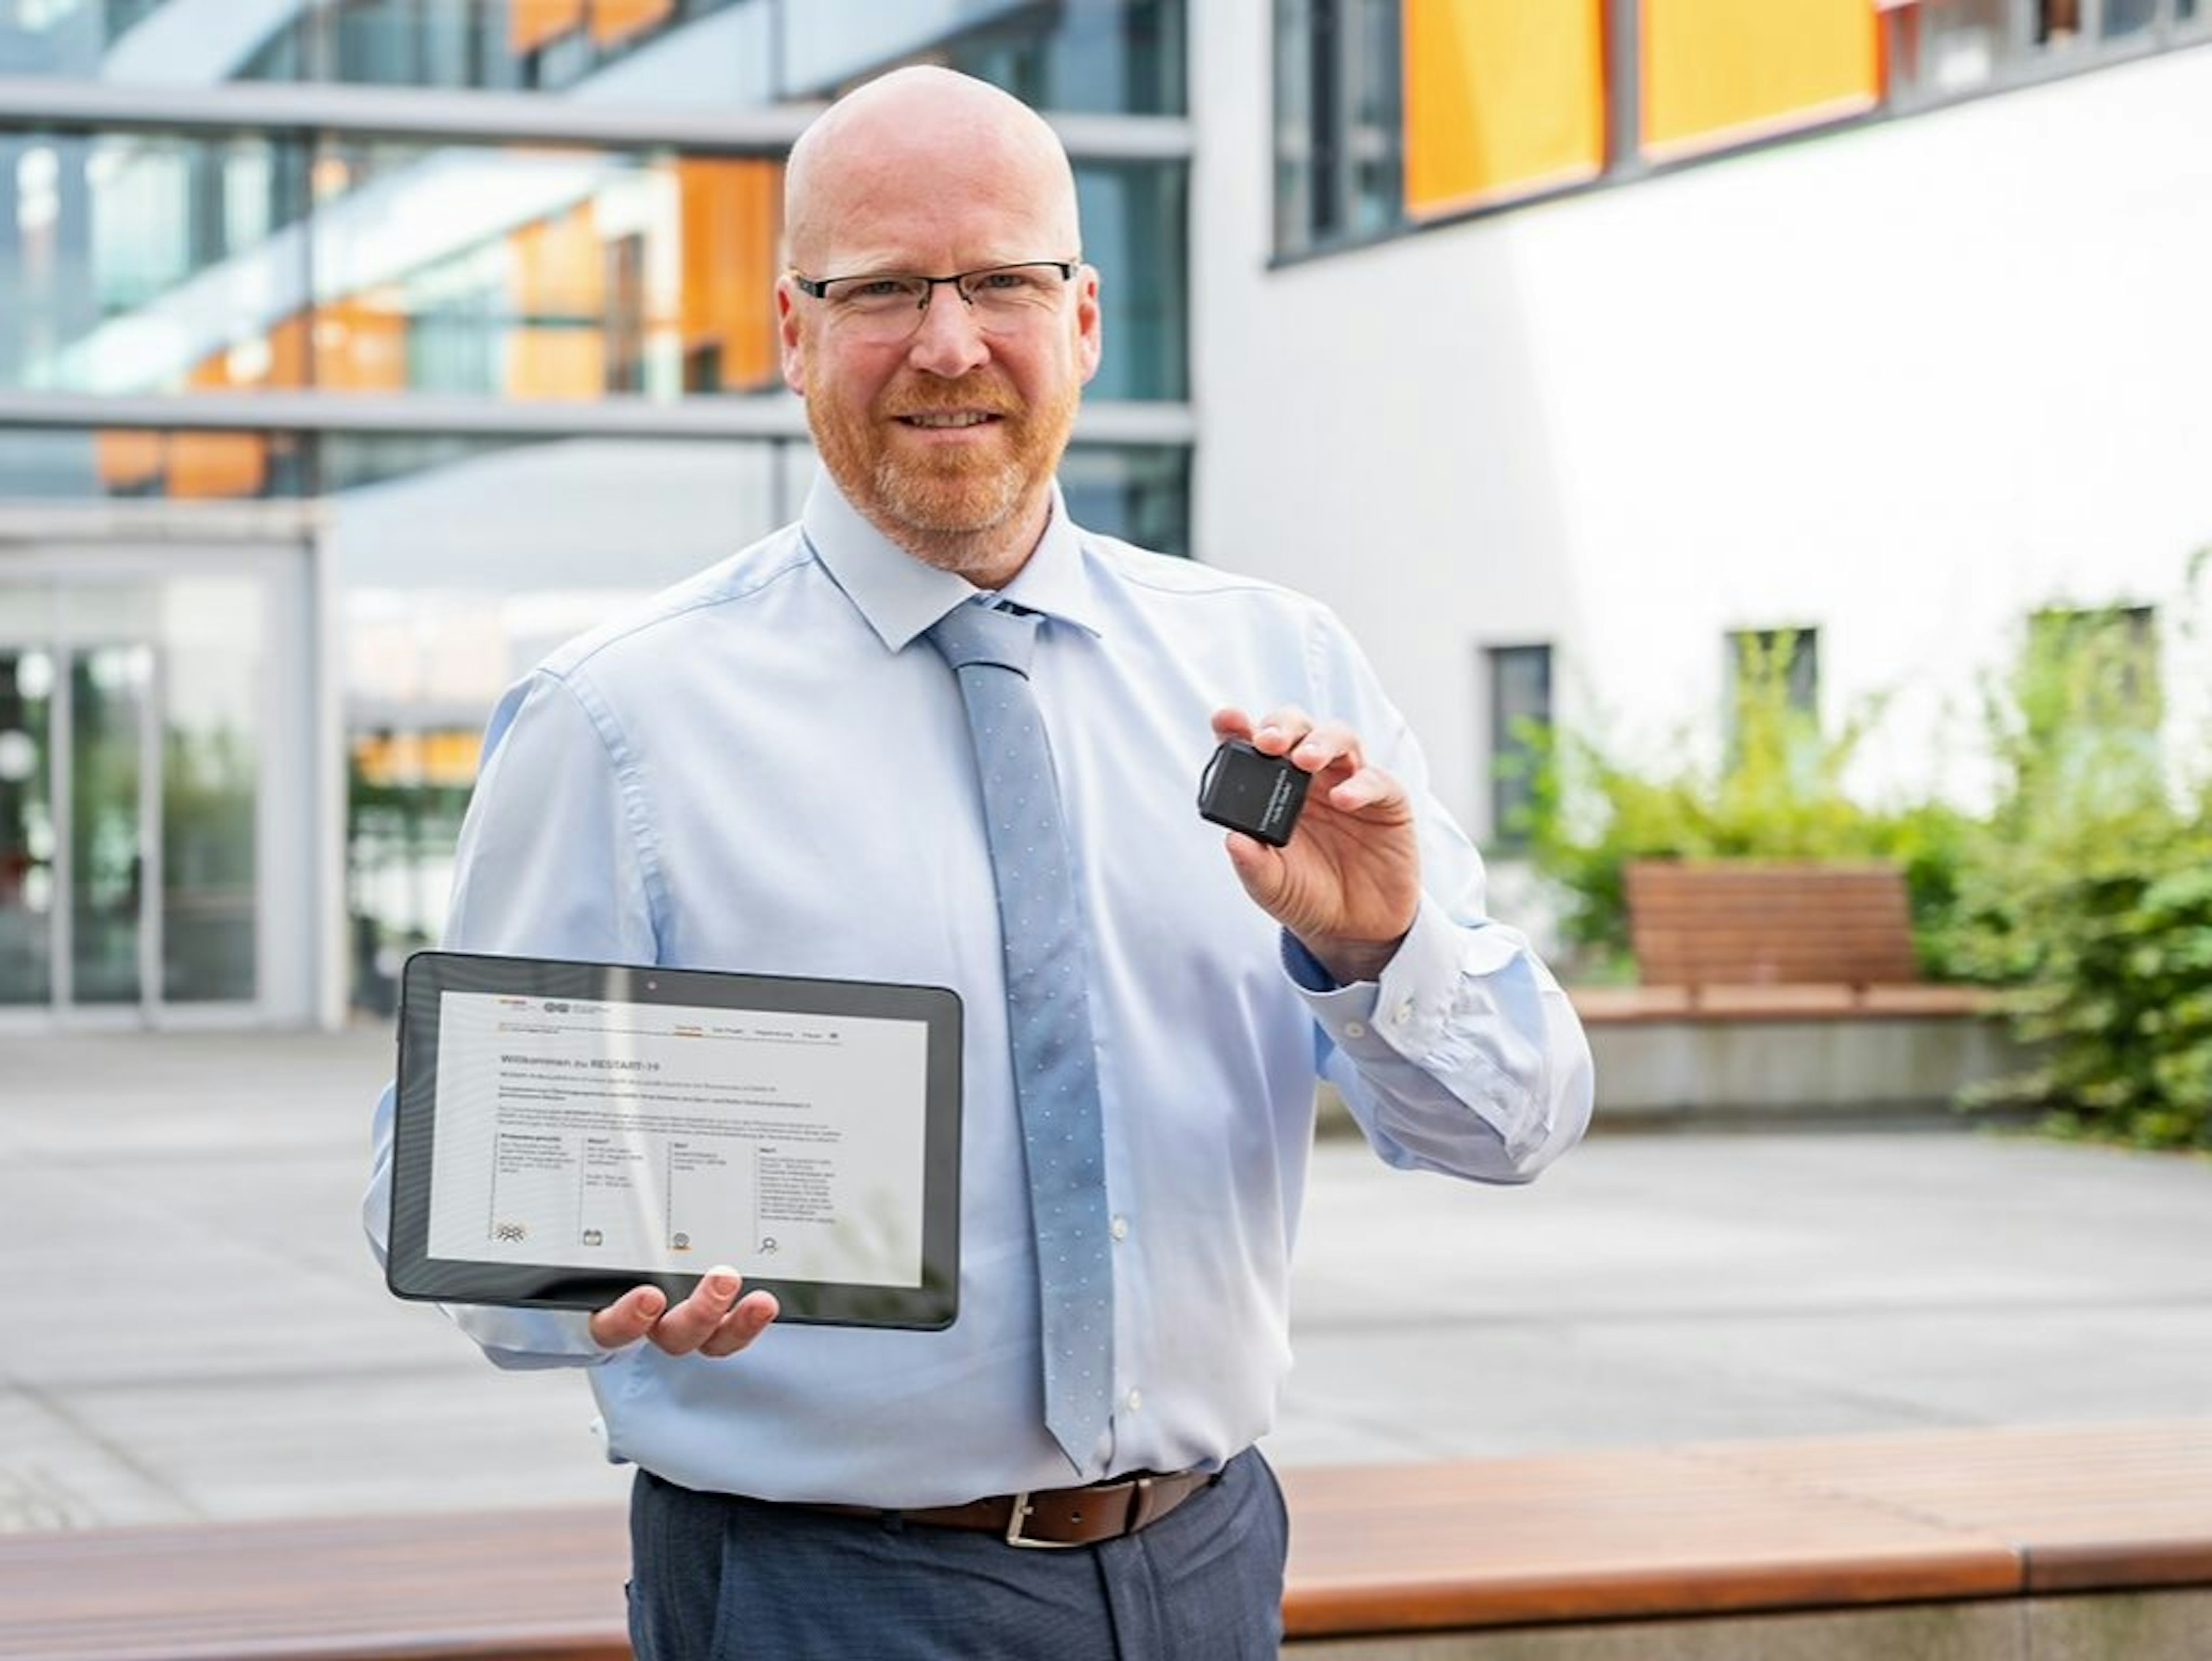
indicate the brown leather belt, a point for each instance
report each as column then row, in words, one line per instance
column 1057, row 1516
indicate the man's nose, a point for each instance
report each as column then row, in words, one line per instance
column 949, row 342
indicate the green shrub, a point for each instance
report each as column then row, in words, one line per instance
column 2085, row 889
column 2088, row 890
column 1778, row 792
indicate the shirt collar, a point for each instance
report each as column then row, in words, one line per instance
column 901, row 597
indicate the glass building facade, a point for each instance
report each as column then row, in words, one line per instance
column 354, row 352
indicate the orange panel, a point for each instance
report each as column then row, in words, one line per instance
column 615, row 20
column 731, row 212
column 361, row 346
column 531, row 23
column 1721, row 72
column 127, row 459
column 555, row 363
column 559, row 278
column 1502, row 98
column 288, row 352
column 217, row 464
column 560, row 268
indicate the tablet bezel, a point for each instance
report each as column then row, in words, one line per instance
column 412, row 1273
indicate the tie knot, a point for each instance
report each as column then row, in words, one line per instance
column 973, row 633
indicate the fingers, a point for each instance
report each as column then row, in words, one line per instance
column 1313, row 747
column 747, row 1319
column 1321, row 747
column 713, row 1321
column 629, row 1318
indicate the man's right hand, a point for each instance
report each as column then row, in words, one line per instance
column 713, row 1321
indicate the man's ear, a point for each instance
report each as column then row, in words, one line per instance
column 793, row 348
column 1090, row 322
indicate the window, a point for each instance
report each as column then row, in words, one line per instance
column 1786, row 660
column 1338, row 120
column 2090, row 701
column 2095, row 669
column 1520, row 680
column 1773, row 712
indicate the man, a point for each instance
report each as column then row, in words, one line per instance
column 771, row 769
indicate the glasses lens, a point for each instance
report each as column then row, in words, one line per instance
column 879, row 306
column 1012, row 296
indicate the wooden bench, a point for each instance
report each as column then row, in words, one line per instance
column 1772, row 940
column 2003, row 1533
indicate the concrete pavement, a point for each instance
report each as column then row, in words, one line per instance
column 194, row 1328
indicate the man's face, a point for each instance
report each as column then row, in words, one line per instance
column 953, row 430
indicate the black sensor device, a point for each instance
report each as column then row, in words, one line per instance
column 1258, row 795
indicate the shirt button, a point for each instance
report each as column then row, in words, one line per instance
column 1135, row 1401
column 1120, row 1228
column 1405, row 1012
column 1355, row 1029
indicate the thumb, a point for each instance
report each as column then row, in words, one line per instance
column 1258, row 867
column 629, row 1318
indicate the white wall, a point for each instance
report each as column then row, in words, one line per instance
column 1903, row 382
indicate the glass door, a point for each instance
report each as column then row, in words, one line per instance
column 114, row 792
column 148, row 751
column 28, row 844
column 79, row 801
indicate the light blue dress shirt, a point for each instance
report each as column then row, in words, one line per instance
column 767, row 769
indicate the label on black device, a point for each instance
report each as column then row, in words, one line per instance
column 1258, row 795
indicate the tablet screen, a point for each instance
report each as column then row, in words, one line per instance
column 567, row 1130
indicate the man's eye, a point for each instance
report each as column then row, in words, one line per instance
column 879, row 288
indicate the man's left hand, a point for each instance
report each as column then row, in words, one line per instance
column 1349, row 881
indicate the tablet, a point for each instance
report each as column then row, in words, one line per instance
column 566, row 1131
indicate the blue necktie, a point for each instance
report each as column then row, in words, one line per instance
column 1047, row 1016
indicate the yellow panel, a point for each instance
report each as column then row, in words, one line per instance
column 615, row 20
column 450, row 756
column 1720, row 72
column 1502, row 98
column 443, row 755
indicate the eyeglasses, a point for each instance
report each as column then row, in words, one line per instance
column 888, row 306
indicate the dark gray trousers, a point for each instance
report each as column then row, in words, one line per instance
column 716, row 1577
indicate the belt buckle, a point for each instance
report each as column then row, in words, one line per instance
column 1018, row 1515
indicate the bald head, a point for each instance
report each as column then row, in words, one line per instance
column 924, row 134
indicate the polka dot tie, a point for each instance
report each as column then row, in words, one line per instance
column 1047, row 1016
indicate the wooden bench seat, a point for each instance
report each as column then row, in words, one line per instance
column 1939, row 1518
column 1771, row 939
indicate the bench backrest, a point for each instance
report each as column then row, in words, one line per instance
column 1745, row 922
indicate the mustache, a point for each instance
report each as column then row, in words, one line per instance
column 969, row 393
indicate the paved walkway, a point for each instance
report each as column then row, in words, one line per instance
column 193, row 1327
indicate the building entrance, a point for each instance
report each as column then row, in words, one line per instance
column 155, row 818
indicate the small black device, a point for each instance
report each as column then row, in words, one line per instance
column 1246, row 790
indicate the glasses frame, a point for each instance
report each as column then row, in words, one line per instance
column 818, row 287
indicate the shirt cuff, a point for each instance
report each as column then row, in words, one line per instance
column 1352, row 1013
column 1409, row 1010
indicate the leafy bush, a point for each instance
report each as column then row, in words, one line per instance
column 2085, row 889
column 2089, row 891
column 1776, row 794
